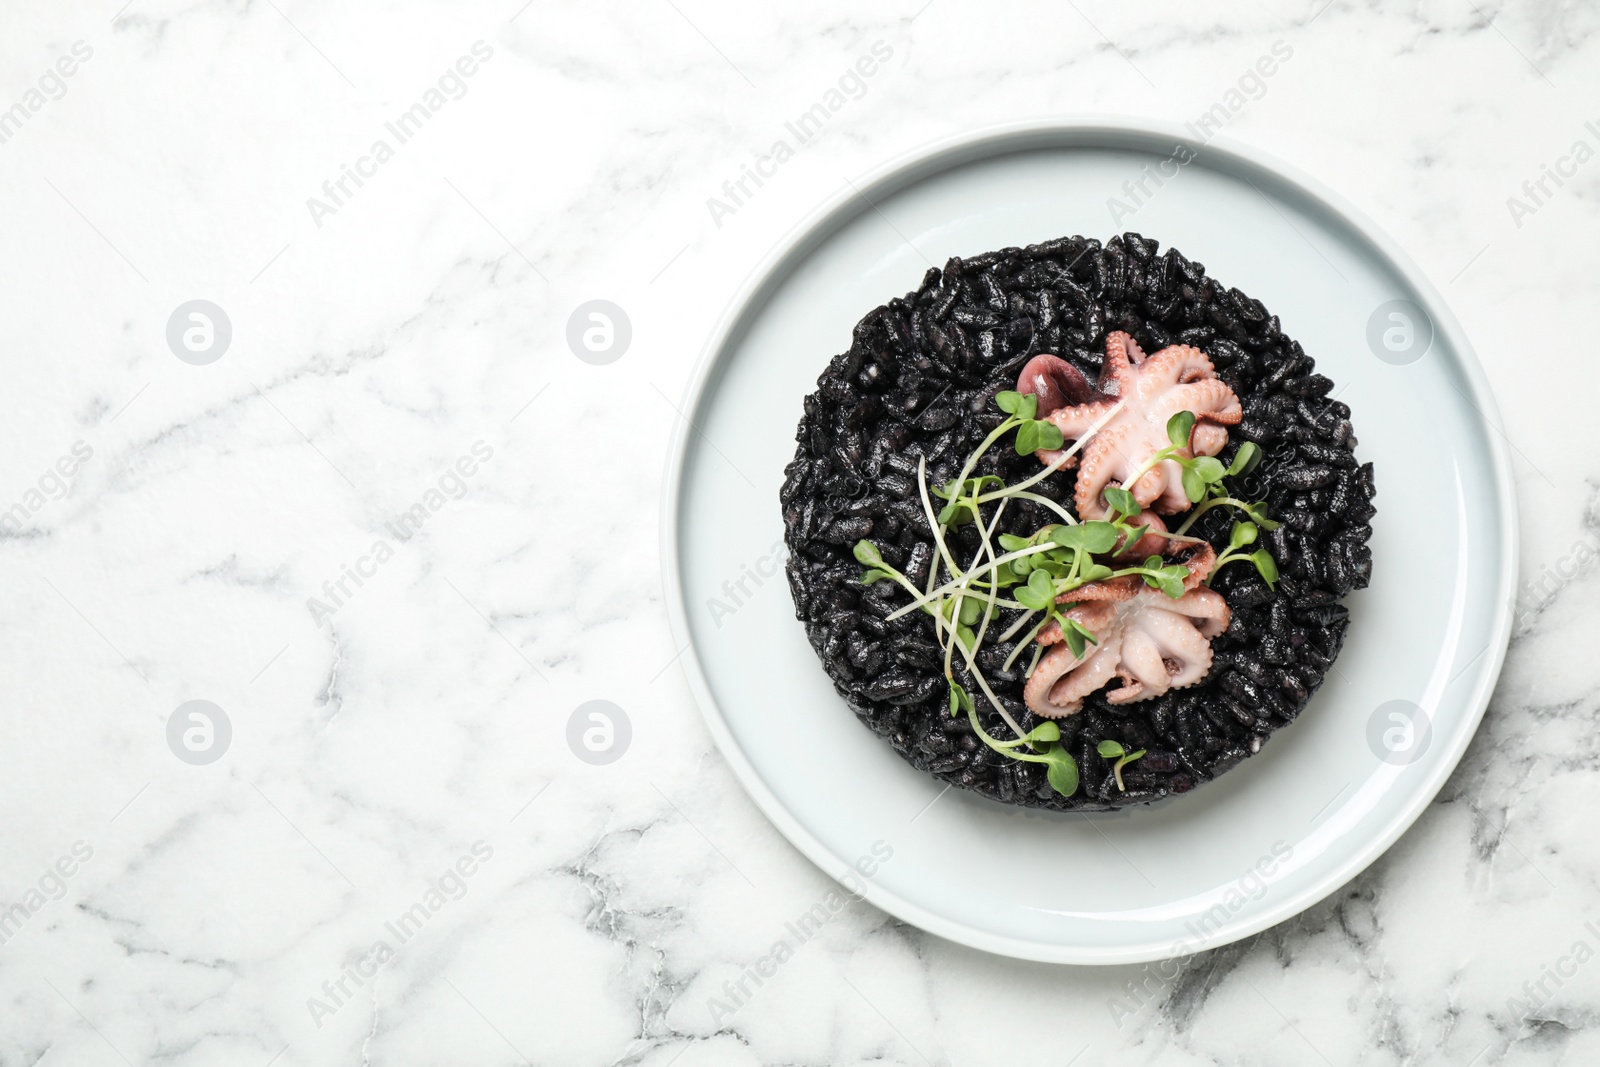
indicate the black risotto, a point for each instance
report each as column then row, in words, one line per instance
column 919, row 380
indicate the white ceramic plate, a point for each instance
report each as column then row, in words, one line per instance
column 1267, row 839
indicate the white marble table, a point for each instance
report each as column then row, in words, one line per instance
column 396, row 531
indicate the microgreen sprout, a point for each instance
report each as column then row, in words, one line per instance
column 1039, row 572
column 1032, row 434
column 867, row 555
column 1114, row 751
column 1242, row 536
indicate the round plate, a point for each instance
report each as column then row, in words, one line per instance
column 1327, row 794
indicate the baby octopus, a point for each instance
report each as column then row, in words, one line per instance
column 1148, row 640
column 1151, row 389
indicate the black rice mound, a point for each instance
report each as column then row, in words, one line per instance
column 919, row 381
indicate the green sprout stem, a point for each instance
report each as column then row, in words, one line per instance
column 1256, row 512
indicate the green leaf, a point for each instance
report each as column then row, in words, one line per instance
column 1244, row 533
column 1245, row 460
column 1258, row 512
column 971, row 611
column 1027, row 438
column 1266, row 565
column 1038, row 737
column 1209, row 468
column 986, row 481
column 1110, row 749
column 1130, row 757
column 1028, row 599
column 1074, row 640
column 1173, row 587
column 867, row 553
column 955, row 700
column 968, row 639
column 1095, row 572
column 1098, row 536
column 1028, row 407
column 1013, row 543
column 1049, row 435
column 1021, row 567
column 1068, row 536
column 1008, row 401
column 1045, row 731
column 1153, row 562
column 1194, row 486
column 1061, row 771
column 1178, row 428
column 874, row 575
column 1052, row 566
column 1121, row 501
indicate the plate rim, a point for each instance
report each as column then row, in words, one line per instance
column 944, row 154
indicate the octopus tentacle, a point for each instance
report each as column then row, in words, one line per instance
column 1205, row 609
column 1175, row 364
column 1171, row 499
column 1200, row 561
column 1105, row 460
column 1142, row 670
column 1073, row 422
column 1061, row 680
column 1122, row 355
column 1207, row 438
